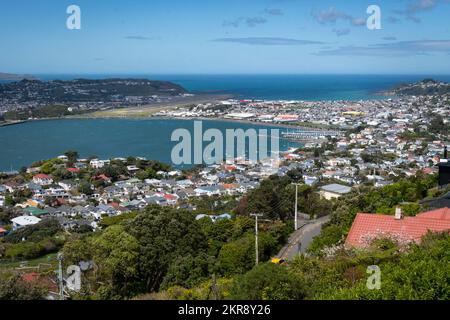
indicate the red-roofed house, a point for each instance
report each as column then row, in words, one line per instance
column 73, row 170
column 44, row 281
column 103, row 178
column 441, row 214
column 230, row 168
column 368, row 227
column 42, row 179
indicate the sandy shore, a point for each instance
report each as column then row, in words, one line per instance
column 146, row 111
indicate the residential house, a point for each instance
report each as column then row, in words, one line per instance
column 104, row 209
column 3, row 232
column 42, row 179
column 209, row 190
column 67, row 185
column 24, row 221
column 161, row 201
column 368, row 227
column 333, row 191
column 97, row 164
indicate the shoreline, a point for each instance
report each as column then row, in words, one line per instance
column 257, row 123
column 260, row 123
column 12, row 123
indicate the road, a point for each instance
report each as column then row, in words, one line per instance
column 299, row 240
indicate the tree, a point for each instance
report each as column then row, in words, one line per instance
column 188, row 271
column 85, row 187
column 237, row 257
column 268, row 281
column 35, row 233
column 71, row 155
column 14, row 288
column 329, row 236
column 62, row 174
column 116, row 253
column 296, row 175
column 164, row 234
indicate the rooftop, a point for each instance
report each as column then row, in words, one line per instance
column 367, row 227
column 336, row 188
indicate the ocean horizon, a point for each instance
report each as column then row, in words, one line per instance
column 273, row 86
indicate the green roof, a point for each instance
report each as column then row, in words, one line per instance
column 36, row 211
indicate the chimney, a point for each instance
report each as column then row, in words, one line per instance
column 398, row 213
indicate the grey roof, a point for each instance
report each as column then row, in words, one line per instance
column 336, row 188
column 155, row 199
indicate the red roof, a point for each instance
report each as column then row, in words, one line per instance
column 102, row 177
column 30, row 277
column 115, row 205
column 428, row 170
column 169, row 196
column 2, row 230
column 74, row 170
column 441, row 214
column 367, row 227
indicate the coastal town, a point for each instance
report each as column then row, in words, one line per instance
column 377, row 142
column 344, row 147
column 224, row 159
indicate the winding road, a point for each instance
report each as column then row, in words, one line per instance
column 299, row 240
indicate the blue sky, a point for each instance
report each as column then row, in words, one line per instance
column 225, row 36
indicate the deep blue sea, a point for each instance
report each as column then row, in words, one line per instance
column 275, row 87
column 278, row 87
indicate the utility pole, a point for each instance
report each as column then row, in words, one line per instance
column 256, row 215
column 60, row 277
column 296, row 206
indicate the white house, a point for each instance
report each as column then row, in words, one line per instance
column 333, row 191
column 42, row 179
column 97, row 164
column 67, row 185
column 24, row 221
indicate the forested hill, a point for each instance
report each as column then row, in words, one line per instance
column 14, row 77
column 422, row 88
column 84, row 90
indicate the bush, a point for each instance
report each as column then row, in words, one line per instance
column 35, row 233
column 14, row 288
column 268, row 281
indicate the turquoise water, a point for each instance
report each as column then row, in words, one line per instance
column 23, row 144
column 286, row 87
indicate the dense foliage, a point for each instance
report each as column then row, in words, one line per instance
column 162, row 248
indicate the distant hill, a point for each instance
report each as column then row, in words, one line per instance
column 421, row 88
column 13, row 77
column 85, row 90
